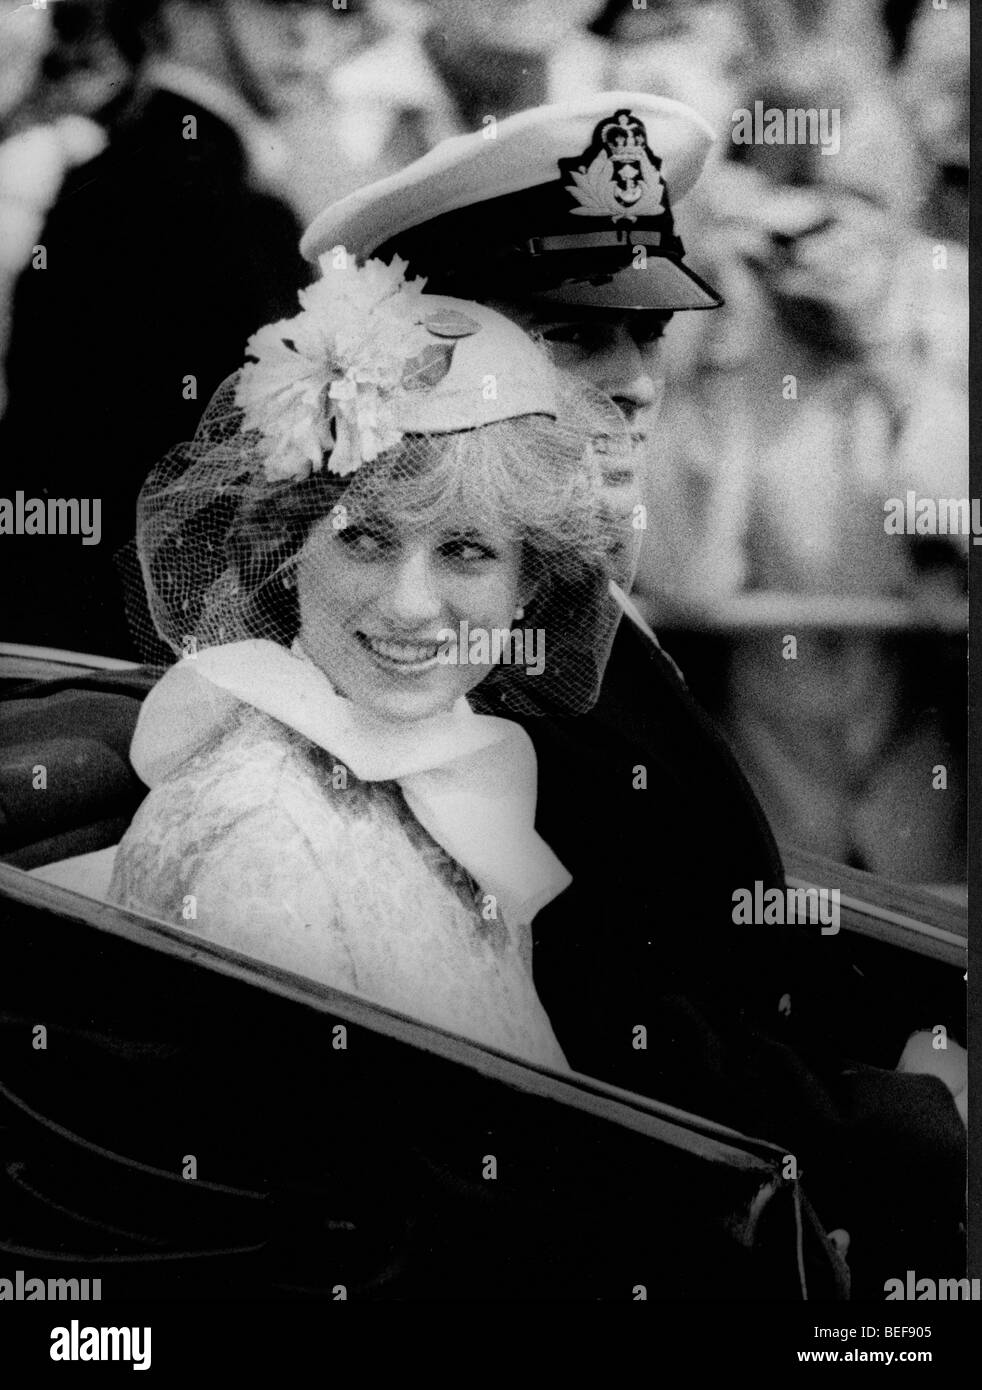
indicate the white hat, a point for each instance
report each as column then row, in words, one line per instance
column 370, row 358
column 570, row 202
column 496, row 371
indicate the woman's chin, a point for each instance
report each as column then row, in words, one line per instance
column 394, row 690
column 409, row 705
column 397, row 696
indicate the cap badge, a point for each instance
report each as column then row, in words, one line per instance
column 616, row 176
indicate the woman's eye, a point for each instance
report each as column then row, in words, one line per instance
column 468, row 552
column 363, row 542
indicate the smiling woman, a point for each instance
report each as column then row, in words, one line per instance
column 471, row 527
column 392, row 469
column 375, row 599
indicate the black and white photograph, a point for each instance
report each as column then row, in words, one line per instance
column 485, row 721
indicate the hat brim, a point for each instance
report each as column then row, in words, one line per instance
column 662, row 285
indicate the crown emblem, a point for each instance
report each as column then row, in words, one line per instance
column 616, row 176
column 624, row 138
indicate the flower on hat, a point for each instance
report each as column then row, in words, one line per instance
column 328, row 380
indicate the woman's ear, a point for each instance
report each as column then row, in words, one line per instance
column 526, row 595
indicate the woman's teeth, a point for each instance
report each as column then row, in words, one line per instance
column 409, row 654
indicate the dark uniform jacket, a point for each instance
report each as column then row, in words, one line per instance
column 764, row 1028
column 161, row 261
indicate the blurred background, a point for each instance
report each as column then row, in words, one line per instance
column 845, row 273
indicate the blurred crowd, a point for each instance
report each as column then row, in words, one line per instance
column 834, row 379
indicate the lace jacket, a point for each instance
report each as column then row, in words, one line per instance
column 340, row 883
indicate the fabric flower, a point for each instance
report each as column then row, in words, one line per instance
column 340, row 360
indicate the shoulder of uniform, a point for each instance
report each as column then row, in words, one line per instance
column 640, row 627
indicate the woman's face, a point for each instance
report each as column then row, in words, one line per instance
column 375, row 596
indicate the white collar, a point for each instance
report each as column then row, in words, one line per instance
column 470, row 779
column 630, row 610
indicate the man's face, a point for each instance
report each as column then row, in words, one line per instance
column 289, row 49
column 617, row 352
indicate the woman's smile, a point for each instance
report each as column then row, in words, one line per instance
column 377, row 601
column 403, row 656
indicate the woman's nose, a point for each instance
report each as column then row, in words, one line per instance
column 412, row 599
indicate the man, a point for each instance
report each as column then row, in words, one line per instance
column 562, row 217
column 158, row 261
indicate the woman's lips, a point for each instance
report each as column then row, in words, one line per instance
column 408, row 658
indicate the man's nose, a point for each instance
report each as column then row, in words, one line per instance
column 413, row 598
column 629, row 373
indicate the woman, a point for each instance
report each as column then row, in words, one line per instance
column 369, row 509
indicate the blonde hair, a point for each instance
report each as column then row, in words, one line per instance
column 533, row 477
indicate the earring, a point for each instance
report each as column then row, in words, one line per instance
column 519, row 613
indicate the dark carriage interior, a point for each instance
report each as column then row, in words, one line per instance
column 302, row 1185
column 363, row 1166
column 79, row 728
